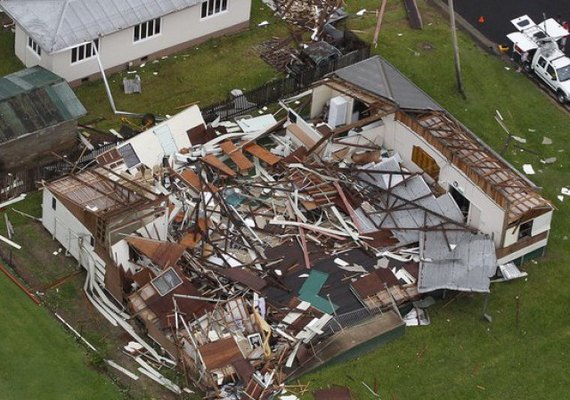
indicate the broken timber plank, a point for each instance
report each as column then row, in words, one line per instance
column 261, row 153
column 379, row 23
column 216, row 163
column 236, row 156
column 413, row 14
column 193, row 180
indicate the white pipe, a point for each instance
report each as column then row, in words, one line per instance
column 123, row 370
column 12, row 201
column 13, row 244
column 102, row 70
column 76, row 333
column 107, row 88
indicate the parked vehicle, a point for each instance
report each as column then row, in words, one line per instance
column 536, row 48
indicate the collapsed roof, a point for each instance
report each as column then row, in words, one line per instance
column 294, row 238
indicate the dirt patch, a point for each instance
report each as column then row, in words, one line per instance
column 427, row 46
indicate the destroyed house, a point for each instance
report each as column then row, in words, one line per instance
column 65, row 36
column 373, row 98
column 38, row 116
column 283, row 242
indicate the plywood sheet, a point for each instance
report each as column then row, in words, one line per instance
column 220, row 354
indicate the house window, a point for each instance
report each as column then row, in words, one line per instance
column 166, row 282
column 525, row 230
column 53, row 203
column 147, row 29
column 212, row 7
column 425, row 162
column 84, row 51
column 34, row 46
column 92, row 241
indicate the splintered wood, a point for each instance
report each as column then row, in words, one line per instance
column 307, row 15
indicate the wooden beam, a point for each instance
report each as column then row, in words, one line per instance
column 216, row 163
column 236, row 156
column 261, row 153
column 379, row 22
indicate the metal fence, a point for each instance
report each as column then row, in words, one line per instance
column 23, row 181
column 15, row 183
column 277, row 89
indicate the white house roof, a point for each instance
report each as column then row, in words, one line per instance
column 59, row 24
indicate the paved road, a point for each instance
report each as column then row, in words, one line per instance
column 498, row 14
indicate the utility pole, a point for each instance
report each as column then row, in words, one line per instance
column 456, row 50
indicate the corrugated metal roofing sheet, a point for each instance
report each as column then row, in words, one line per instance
column 33, row 99
column 468, row 265
column 378, row 76
column 59, row 24
column 406, row 220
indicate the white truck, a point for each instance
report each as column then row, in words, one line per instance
column 535, row 46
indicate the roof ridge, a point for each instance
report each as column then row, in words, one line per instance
column 59, row 23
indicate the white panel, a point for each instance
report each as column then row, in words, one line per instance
column 541, row 224
column 337, row 111
column 474, row 216
column 166, row 140
column 523, row 22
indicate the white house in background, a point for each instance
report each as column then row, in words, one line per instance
column 61, row 35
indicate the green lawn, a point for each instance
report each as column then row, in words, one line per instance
column 37, row 359
column 8, row 63
column 459, row 356
column 205, row 73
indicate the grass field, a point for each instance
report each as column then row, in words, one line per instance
column 8, row 63
column 37, row 359
column 458, row 356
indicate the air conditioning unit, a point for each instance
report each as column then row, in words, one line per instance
column 338, row 111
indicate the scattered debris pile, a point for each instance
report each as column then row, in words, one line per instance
column 258, row 249
column 327, row 42
column 311, row 15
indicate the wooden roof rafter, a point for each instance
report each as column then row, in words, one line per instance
column 476, row 161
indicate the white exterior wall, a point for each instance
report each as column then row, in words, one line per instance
column 29, row 57
column 67, row 230
column 400, row 138
column 522, row 252
column 322, row 95
column 148, row 147
column 177, row 28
